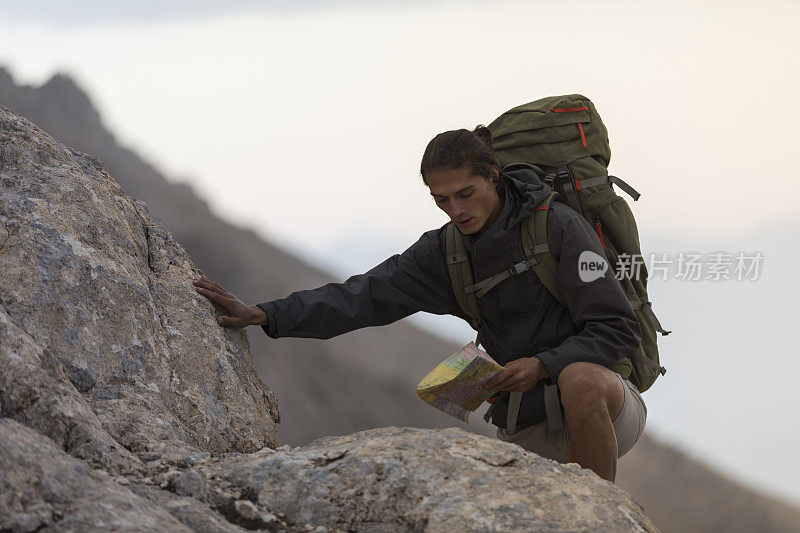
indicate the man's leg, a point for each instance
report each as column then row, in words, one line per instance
column 592, row 396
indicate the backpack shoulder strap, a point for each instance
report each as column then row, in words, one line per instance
column 460, row 270
column 534, row 242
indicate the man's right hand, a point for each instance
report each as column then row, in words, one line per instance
column 239, row 313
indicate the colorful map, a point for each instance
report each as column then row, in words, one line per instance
column 455, row 386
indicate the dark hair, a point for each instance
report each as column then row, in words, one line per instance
column 458, row 148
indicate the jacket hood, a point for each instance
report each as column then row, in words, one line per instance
column 523, row 191
column 527, row 190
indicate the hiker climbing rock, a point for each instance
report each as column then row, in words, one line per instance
column 529, row 200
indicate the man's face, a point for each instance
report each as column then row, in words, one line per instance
column 468, row 199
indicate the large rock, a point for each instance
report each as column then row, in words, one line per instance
column 41, row 486
column 123, row 406
column 106, row 347
column 408, row 479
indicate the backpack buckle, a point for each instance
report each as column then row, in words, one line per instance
column 518, row 268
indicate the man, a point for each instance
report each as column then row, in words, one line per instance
column 540, row 342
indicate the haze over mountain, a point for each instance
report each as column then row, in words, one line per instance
column 363, row 379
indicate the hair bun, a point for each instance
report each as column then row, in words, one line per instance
column 457, row 148
column 484, row 134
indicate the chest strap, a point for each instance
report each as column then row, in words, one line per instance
column 537, row 258
column 484, row 286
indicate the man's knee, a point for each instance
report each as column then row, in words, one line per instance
column 587, row 386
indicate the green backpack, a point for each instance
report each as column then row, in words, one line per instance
column 563, row 139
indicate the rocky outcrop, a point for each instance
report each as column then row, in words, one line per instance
column 379, row 480
column 123, row 405
column 106, row 348
column 403, row 479
column 42, row 486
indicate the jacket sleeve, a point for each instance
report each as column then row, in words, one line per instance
column 607, row 329
column 403, row 284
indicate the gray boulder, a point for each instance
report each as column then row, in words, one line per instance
column 120, row 357
column 407, row 479
column 42, row 486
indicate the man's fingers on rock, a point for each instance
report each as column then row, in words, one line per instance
column 204, row 286
column 212, row 288
column 226, row 321
column 210, row 284
column 209, row 294
column 217, row 287
column 218, row 298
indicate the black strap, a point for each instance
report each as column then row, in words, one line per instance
column 649, row 362
column 487, row 416
column 633, row 193
column 619, row 182
column 565, row 178
column 647, row 310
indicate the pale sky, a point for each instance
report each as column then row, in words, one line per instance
column 308, row 125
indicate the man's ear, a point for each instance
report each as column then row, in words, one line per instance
column 495, row 174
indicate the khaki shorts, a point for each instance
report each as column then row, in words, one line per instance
column 628, row 427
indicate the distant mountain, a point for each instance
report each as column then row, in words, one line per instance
column 363, row 379
column 682, row 494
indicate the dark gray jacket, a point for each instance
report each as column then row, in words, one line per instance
column 521, row 318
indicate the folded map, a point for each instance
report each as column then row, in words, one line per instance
column 455, row 386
